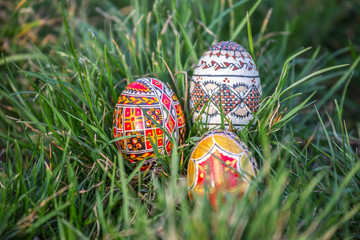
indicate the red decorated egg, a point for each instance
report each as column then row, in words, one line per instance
column 145, row 109
column 225, row 80
column 220, row 163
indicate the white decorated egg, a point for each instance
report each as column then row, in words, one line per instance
column 225, row 80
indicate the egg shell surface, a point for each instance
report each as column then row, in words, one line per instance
column 215, row 164
column 144, row 106
column 225, row 79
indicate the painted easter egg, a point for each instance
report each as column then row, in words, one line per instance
column 144, row 109
column 220, row 163
column 225, row 80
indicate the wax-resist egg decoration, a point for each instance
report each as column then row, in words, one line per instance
column 144, row 109
column 225, row 79
column 220, row 163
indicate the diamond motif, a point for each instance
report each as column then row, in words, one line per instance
column 170, row 125
column 166, row 101
column 140, row 113
column 199, row 97
column 228, row 98
column 252, row 99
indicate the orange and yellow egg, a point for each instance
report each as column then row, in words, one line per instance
column 220, row 163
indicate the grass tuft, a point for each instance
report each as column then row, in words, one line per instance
column 62, row 176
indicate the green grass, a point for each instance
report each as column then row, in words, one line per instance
column 61, row 175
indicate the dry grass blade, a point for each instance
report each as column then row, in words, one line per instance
column 29, row 219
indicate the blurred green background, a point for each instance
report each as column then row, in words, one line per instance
column 329, row 24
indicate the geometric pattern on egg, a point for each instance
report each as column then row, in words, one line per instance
column 144, row 109
column 215, row 165
column 225, row 76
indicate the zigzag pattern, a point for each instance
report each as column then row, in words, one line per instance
column 123, row 99
column 138, row 87
column 224, row 65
